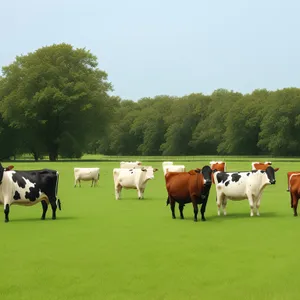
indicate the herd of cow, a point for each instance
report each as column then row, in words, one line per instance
column 34, row 186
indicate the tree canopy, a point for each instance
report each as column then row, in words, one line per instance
column 55, row 101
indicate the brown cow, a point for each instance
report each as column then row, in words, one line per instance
column 187, row 187
column 295, row 191
column 218, row 166
column 289, row 174
column 260, row 165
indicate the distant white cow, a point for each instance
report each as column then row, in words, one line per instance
column 86, row 174
column 174, row 168
column 165, row 164
column 243, row 185
column 130, row 164
column 132, row 179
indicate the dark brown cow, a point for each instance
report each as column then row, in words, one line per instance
column 289, row 174
column 187, row 187
column 295, row 191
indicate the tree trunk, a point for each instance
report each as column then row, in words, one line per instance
column 53, row 152
column 35, row 156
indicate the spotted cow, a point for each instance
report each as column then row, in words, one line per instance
column 243, row 185
column 28, row 188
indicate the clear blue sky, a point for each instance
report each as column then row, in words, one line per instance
column 169, row 47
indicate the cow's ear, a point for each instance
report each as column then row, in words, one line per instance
column 9, row 168
column 154, row 170
column 276, row 169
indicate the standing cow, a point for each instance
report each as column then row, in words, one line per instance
column 130, row 164
column 260, row 165
column 28, row 188
column 294, row 187
column 289, row 175
column 187, row 187
column 86, row 174
column 243, row 185
column 132, row 179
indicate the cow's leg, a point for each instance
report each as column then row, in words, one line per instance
column 251, row 204
column 139, row 190
column 172, row 206
column 118, row 190
column 75, row 183
column 6, row 212
column 45, row 208
column 295, row 203
column 224, row 203
column 181, row 207
column 142, row 190
column 220, row 199
column 54, row 207
column 195, row 205
column 203, row 208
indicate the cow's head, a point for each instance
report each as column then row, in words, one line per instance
column 149, row 172
column 2, row 170
column 206, row 172
column 271, row 174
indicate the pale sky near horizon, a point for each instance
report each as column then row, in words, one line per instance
column 171, row 47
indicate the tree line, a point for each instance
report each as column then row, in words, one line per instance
column 55, row 101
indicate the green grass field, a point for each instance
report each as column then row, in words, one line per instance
column 101, row 248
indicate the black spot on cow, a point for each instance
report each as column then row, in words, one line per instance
column 235, row 177
column 17, row 178
column 222, row 177
column 262, row 171
column 227, row 183
column 248, row 174
column 17, row 195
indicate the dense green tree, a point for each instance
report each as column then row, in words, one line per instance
column 58, row 98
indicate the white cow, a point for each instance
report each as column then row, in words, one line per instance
column 86, row 174
column 243, row 185
column 173, row 168
column 130, row 164
column 165, row 164
column 132, row 179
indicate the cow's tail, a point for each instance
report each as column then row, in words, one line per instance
column 168, row 202
column 56, row 188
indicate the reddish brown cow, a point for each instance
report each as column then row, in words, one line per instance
column 261, row 165
column 295, row 191
column 218, row 166
column 187, row 187
column 289, row 174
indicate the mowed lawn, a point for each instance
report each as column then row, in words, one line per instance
column 101, row 248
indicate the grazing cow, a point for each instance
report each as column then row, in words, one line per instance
column 295, row 191
column 28, row 188
column 289, row 174
column 86, row 174
column 243, row 185
column 130, row 164
column 260, row 165
column 132, row 179
column 187, row 187
column 173, row 168
column 219, row 166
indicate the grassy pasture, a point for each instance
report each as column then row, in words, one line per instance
column 100, row 248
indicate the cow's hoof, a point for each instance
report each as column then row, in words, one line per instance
column 174, row 217
column 203, row 219
column 42, row 218
column 195, row 220
column 182, row 218
column 53, row 218
column 6, row 221
column 295, row 215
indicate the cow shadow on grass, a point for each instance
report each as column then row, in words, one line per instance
column 46, row 220
column 243, row 215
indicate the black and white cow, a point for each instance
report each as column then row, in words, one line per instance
column 28, row 188
column 242, row 185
